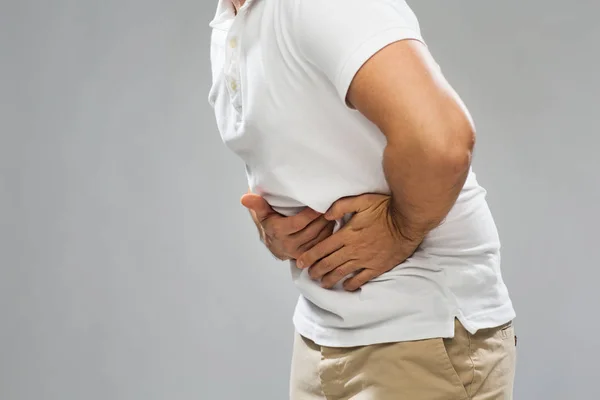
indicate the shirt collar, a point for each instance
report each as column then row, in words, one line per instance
column 226, row 13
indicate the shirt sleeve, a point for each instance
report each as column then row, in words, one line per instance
column 339, row 36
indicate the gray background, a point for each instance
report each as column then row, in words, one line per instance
column 128, row 269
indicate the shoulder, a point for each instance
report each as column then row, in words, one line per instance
column 351, row 10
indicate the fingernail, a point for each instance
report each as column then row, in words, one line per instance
column 300, row 264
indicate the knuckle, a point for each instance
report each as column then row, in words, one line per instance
column 292, row 223
column 274, row 231
column 340, row 272
column 324, row 266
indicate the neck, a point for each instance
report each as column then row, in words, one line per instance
column 238, row 4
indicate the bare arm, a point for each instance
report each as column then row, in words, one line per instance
column 430, row 135
column 373, row 54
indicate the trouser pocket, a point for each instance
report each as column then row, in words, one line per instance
column 484, row 362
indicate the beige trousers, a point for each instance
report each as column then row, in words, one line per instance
column 467, row 367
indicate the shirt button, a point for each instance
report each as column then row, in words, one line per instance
column 234, row 86
column 233, row 43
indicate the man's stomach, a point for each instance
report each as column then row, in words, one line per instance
column 455, row 271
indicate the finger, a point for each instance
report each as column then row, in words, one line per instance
column 298, row 222
column 347, row 205
column 257, row 204
column 321, row 250
column 354, row 283
column 332, row 278
column 326, row 231
column 311, row 231
column 281, row 227
column 328, row 264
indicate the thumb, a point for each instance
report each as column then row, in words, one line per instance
column 346, row 205
column 257, row 204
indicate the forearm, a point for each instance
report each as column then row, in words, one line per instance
column 425, row 179
column 429, row 132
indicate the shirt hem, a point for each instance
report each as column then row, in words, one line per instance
column 396, row 330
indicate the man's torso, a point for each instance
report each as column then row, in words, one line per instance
column 303, row 146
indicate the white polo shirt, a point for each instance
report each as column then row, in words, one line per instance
column 281, row 70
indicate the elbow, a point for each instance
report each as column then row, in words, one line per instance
column 454, row 149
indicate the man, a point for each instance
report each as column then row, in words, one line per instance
column 347, row 126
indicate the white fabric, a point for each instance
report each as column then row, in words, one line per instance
column 281, row 70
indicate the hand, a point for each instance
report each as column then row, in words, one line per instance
column 287, row 237
column 369, row 244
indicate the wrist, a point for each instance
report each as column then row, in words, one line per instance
column 403, row 227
